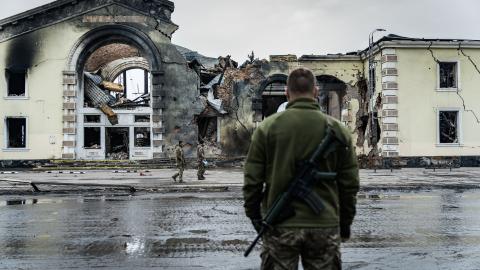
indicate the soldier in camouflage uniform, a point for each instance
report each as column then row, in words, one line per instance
column 181, row 164
column 278, row 144
column 200, row 161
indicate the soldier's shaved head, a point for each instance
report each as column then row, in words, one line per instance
column 301, row 81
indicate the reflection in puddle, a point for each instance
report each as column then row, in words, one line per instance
column 136, row 246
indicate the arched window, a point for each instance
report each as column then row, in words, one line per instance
column 136, row 83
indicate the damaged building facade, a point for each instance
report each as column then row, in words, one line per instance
column 94, row 80
column 101, row 79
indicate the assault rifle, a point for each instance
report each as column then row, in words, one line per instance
column 302, row 187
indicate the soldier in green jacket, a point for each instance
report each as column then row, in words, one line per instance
column 180, row 161
column 281, row 141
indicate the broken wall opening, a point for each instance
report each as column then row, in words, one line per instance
column 207, row 129
column 331, row 94
column 272, row 97
column 117, row 143
column 363, row 115
column 16, row 132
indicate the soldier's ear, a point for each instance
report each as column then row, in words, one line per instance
column 316, row 91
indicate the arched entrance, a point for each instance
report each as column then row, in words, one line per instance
column 331, row 94
column 270, row 95
column 139, row 127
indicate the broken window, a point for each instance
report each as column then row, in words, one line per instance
column 142, row 137
column 207, row 129
column 16, row 132
column 91, row 136
column 142, row 118
column 16, row 82
column 92, row 118
column 448, row 74
column 448, row 127
column 136, row 82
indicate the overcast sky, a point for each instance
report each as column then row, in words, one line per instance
column 220, row 27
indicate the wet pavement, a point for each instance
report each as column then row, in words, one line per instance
column 402, row 229
column 160, row 180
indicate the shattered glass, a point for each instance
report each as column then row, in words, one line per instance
column 448, row 75
column 448, row 127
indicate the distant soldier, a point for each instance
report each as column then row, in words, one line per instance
column 201, row 161
column 181, row 164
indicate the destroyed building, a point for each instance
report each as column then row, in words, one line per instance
column 101, row 79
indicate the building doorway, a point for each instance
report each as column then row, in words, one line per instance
column 272, row 97
column 117, row 143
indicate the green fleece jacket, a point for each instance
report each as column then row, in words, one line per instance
column 285, row 138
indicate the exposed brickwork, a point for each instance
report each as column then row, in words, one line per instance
column 109, row 53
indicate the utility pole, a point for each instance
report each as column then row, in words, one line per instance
column 371, row 85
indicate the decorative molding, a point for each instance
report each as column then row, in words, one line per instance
column 390, row 100
column 390, row 86
column 389, row 113
column 390, row 127
column 389, row 58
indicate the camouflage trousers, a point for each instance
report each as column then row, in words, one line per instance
column 179, row 174
column 201, row 169
column 318, row 248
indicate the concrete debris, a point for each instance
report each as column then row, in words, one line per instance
column 113, row 87
column 118, row 156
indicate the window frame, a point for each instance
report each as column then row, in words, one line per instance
column 134, row 137
column 100, row 138
column 6, row 94
column 140, row 122
column 147, row 80
column 459, row 127
column 449, row 89
column 6, row 148
column 92, row 124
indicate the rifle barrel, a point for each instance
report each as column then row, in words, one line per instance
column 254, row 243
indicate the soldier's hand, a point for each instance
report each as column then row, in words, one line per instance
column 257, row 224
column 345, row 233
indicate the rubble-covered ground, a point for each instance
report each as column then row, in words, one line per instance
column 407, row 219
